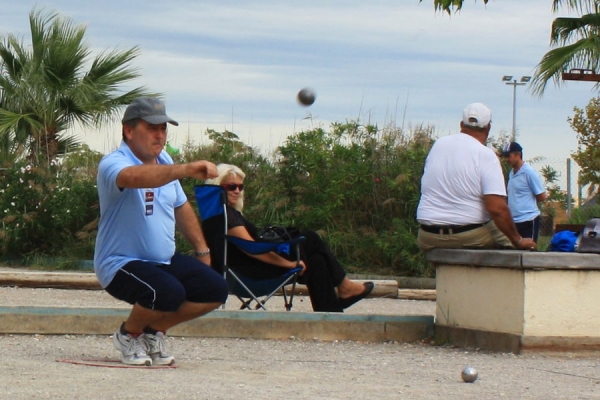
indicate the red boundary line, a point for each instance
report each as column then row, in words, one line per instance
column 93, row 362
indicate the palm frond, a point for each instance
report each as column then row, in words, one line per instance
column 584, row 54
column 449, row 6
column 47, row 86
column 565, row 30
column 583, row 6
column 67, row 144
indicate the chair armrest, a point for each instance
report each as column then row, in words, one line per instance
column 296, row 270
column 254, row 247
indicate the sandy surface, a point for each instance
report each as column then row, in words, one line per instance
column 270, row 369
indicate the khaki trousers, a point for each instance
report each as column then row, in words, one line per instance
column 485, row 237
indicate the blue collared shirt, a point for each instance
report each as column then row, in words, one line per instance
column 135, row 224
column 523, row 187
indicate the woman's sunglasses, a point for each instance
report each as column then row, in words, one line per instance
column 230, row 187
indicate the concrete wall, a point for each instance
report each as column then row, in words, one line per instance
column 221, row 323
column 508, row 300
column 480, row 298
column 562, row 303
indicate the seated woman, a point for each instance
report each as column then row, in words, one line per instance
column 321, row 271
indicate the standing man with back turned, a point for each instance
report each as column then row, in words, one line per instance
column 141, row 204
column 463, row 197
column 525, row 191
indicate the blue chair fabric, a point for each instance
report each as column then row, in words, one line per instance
column 211, row 201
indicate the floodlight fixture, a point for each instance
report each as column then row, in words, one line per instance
column 513, row 82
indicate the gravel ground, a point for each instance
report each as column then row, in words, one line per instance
column 274, row 369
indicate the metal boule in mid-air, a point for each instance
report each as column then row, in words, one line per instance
column 306, row 97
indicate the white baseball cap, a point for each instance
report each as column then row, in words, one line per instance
column 477, row 115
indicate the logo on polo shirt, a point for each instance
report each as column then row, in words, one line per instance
column 149, row 198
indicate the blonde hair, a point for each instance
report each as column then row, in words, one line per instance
column 224, row 171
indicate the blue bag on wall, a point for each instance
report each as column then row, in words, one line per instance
column 563, row 241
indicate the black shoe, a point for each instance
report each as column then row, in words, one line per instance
column 347, row 302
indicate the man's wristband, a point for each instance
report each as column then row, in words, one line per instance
column 519, row 241
column 202, row 253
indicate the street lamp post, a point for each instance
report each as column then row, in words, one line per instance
column 510, row 81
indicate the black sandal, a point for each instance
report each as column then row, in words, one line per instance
column 347, row 302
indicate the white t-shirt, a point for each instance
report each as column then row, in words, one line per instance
column 459, row 171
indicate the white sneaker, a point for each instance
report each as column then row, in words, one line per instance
column 157, row 349
column 132, row 348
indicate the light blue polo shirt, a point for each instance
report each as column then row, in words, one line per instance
column 522, row 189
column 135, row 224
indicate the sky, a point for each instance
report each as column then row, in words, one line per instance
column 238, row 65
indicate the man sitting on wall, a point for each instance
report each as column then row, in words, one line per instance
column 463, row 196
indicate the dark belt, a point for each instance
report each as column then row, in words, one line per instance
column 448, row 229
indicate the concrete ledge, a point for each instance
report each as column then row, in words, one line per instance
column 491, row 258
column 54, row 280
column 246, row 324
column 512, row 343
column 558, row 260
column 478, row 339
column 514, row 259
column 559, row 343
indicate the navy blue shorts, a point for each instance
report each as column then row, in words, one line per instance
column 529, row 229
column 165, row 287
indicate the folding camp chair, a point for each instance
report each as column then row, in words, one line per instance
column 211, row 201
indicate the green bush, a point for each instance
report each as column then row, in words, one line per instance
column 46, row 212
column 356, row 185
column 582, row 214
column 359, row 187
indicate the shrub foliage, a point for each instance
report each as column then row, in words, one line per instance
column 357, row 185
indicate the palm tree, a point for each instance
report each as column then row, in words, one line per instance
column 449, row 5
column 577, row 40
column 53, row 83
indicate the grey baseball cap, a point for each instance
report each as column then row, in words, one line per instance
column 150, row 109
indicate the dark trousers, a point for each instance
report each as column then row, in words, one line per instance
column 323, row 272
column 529, row 229
column 164, row 287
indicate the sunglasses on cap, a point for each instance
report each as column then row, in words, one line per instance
column 230, row 187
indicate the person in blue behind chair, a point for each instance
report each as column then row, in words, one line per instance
column 321, row 271
column 141, row 204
